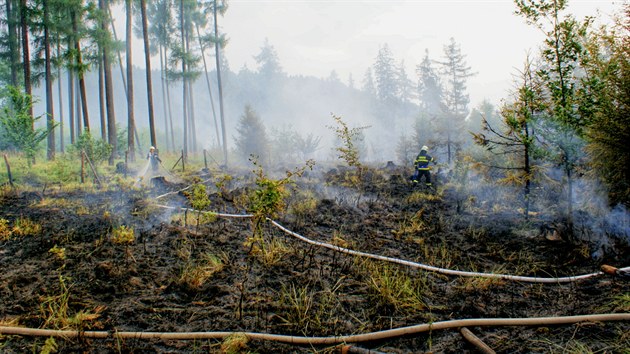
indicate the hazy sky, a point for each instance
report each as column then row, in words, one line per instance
column 314, row 37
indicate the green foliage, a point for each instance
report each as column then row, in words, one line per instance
column 97, row 150
column 5, row 230
column 18, row 125
column 252, row 137
column 349, row 138
column 123, row 235
column 288, row 145
column 199, row 197
column 608, row 78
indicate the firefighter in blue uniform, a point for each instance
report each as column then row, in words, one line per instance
column 421, row 165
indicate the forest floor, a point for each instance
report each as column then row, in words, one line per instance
column 65, row 267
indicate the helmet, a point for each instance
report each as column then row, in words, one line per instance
column 152, row 148
column 424, row 148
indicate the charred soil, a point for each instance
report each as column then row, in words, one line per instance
column 63, row 268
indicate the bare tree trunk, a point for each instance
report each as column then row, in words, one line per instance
column 147, row 58
column 71, row 99
column 77, row 106
column 50, row 114
column 101, row 96
column 164, row 98
column 170, row 110
column 131, row 123
column 109, row 95
column 61, row 140
column 82, row 90
column 120, row 62
column 205, row 69
column 13, row 40
column 184, row 93
column 193, row 128
column 218, row 63
column 191, row 108
column 26, row 55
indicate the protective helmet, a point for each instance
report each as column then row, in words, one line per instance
column 152, row 148
column 424, row 148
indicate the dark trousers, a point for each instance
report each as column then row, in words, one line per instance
column 417, row 176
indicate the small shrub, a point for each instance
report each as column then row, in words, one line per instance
column 58, row 252
column 26, row 227
column 123, row 235
column 5, row 230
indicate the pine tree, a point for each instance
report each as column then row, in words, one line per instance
column 564, row 129
column 252, row 136
column 607, row 67
column 455, row 100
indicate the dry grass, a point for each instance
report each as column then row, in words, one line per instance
column 195, row 274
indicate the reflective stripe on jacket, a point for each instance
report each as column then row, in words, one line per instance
column 422, row 161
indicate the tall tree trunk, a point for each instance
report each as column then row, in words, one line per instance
column 131, row 123
column 110, row 19
column 205, row 69
column 120, row 65
column 101, row 96
column 77, row 106
column 164, row 98
column 191, row 107
column 11, row 9
column 71, row 99
column 193, row 129
column 61, row 137
column 147, row 59
column 109, row 94
column 218, row 63
column 50, row 115
column 168, row 101
column 184, row 86
column 82, row 90
column 26, row 55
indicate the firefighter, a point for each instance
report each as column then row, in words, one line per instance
column 154, row 157
column 421, row 167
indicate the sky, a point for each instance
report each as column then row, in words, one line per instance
column 315, row 37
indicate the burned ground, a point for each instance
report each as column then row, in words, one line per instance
column 163, row 282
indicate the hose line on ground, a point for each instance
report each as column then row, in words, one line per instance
column 354, row 338
column 409, row 263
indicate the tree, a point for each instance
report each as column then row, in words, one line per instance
column 565, row 128
column 455, row 99
column 350, row 141
column 386, row 76
column 10, row 40
column 405, row 85
column 106, row 45
column 161, row 29
column 26, row 57
column 429, row 87
column 268, row 63
column 368, row 83
column 514, row 140
column 217, row 46
column 17, row 123
column 147, row 61
column 131, row 122
column 252, row 136
column 607, row 66
column 50, row 116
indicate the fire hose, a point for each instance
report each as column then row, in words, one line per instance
column 622, row 272
column 300, row 340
